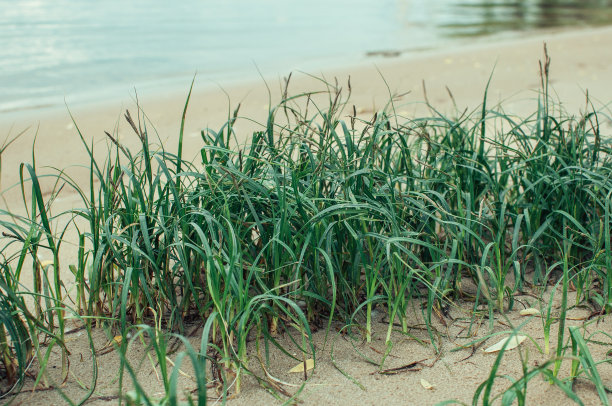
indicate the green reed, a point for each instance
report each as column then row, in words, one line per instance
column 314, row 218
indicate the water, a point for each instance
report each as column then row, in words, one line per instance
column 75, row 50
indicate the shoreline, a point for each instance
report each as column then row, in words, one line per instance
column 577, row 64
column 377, row 57
column 236, row 76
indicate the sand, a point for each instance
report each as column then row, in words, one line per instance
column 454, row 373
column 581, row 61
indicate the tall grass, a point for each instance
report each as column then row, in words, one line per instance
column 318, row 217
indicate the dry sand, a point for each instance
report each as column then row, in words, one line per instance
column 581, row 60
column 454, row 373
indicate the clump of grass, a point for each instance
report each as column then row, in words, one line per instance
column 16, row 347
column 316, row 219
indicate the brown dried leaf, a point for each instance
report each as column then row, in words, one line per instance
column 300, row 367
column 529, row 312
column 426, row 384
column 514, row 342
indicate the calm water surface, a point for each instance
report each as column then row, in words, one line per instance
column 76, row 50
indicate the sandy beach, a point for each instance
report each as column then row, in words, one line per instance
column 581, row 62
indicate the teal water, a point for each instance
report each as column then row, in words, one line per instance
column 76, row 50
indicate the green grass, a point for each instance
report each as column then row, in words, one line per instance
column 314, row 219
